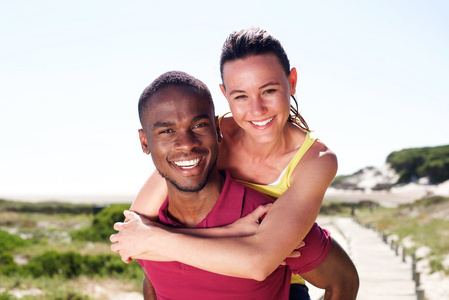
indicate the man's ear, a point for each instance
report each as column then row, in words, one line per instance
column 144, row 141
column 217, row 126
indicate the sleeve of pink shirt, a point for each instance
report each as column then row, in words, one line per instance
column 318, row 244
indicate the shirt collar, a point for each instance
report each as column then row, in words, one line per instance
column 226, row 210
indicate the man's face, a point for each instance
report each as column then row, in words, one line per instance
column 179, row 129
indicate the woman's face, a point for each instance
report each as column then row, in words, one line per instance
column 258, row 92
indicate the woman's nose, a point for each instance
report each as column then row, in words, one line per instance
column 258, row 106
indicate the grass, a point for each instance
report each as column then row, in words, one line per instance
column 82, row 266
column 425, row 223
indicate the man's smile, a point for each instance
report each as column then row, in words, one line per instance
column 187, row 164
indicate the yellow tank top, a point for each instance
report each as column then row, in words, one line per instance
column 276, row 189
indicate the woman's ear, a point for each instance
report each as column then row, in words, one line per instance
column 223, row 89
column 144, row 141
column 293, row 79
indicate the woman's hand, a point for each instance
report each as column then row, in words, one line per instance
column 249, row 224
column 295, row 253
column 129, row 242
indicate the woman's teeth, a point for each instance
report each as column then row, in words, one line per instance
column 262, row 123
column 187, row 164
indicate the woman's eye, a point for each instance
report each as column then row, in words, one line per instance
column 240, row 97
column 269, row 91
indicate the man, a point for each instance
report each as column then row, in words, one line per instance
column 180, row 130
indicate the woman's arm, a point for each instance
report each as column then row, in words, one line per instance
column 286, row 224
column 151, row 196
column 129, row 241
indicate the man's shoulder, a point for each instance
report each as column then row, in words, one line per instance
column 238, row 194
column 251, row 196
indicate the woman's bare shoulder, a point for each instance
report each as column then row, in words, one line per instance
column 319, row 162
column 321, row 149
column 229, row 127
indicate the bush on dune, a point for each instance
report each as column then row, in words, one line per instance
column 102, row 225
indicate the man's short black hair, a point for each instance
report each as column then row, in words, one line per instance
column 173, row 78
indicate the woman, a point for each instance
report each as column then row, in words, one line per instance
column 266, row 148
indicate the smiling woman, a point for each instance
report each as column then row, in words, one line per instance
column 258, row 94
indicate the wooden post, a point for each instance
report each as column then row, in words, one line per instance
column 403, row 254
column 416, row 277
column 420, row 294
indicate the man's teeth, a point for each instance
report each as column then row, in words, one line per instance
column 187, row 164
column 263, row 122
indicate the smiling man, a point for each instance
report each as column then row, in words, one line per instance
column 181, row 132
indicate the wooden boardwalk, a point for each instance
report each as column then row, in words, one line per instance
column 383, row 274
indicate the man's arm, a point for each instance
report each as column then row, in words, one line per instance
column 336, row 274
column 148, row 290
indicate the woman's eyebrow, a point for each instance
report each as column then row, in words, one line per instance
column 261, row 87
column 236, row 91
column 268, row 84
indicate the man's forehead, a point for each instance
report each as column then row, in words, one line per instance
column 180, row 93
column 173, row 108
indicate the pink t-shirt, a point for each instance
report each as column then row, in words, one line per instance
column 174, row 280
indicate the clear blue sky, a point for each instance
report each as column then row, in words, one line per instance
column 373, row 78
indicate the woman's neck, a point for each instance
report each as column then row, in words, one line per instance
column 285, row 142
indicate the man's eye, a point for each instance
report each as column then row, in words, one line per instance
column 165, row 131
column 240, row 97
column 200, row 125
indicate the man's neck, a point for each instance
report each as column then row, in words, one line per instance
column 190, row 208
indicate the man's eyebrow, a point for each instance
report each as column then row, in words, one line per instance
column 200, row 117
column 261, row 87
column 159, row 124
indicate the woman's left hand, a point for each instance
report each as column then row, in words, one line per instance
column 129, row 241
column 249, row 224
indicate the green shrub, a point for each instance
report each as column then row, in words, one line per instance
column 72, row 265
column 11, row 241
column 52, row 263
column 103, row 224
column 431, row 162
column 7, row 296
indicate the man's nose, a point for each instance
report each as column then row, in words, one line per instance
column 186, row 140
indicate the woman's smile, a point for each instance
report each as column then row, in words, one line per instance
column 262, row 123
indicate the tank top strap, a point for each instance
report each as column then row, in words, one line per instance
column 308, row 142
column 222, row 116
